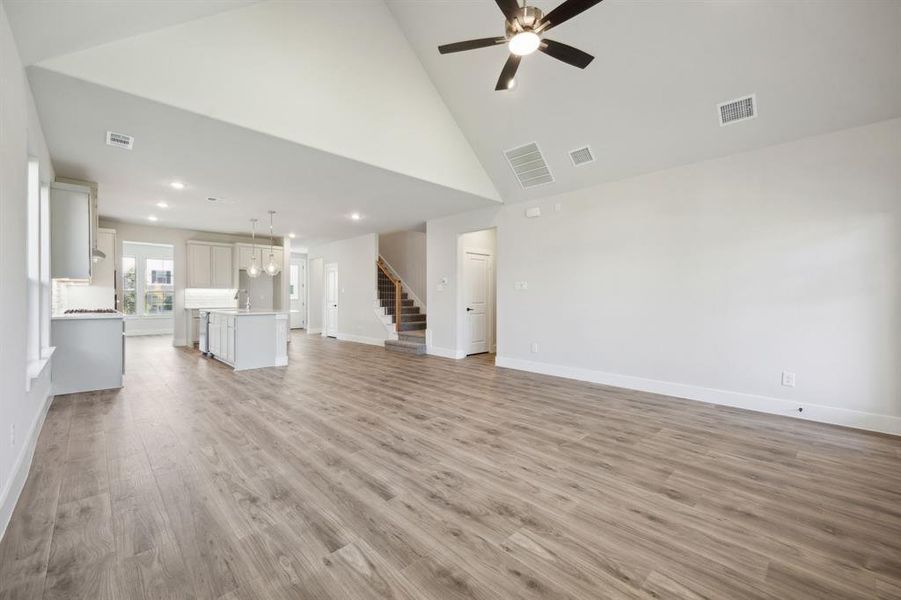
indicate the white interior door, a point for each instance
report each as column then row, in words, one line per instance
column 297, row 279
column 476, row 299
column 331, row 300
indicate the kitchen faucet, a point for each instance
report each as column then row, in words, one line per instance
column 247, row 296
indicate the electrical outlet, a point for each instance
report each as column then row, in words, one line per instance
column 788, row 379
column 520, row 285
column 534, row 347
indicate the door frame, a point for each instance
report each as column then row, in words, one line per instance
column 462, row 325
column 333, row 266
column 301, row 259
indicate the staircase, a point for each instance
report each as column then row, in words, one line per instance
column 411, row 332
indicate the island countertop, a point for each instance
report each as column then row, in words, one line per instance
column 87, row 316
column 239, row 312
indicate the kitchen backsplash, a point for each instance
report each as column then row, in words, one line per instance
column 65, row 295
column 209, row 298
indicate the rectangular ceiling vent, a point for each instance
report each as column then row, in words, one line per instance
column 119, row 140
column 740, row 109
column 529, row 166
column 581, row 156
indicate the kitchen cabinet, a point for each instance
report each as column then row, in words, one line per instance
column 71, row 231
column 222, row 337
column 244, row 256
column 245, row 252
column 105, row 270
column 249, row 339
column 221, row 271
column 210, row 265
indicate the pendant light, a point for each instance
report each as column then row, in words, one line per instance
column 253, row 269
column 272, row 267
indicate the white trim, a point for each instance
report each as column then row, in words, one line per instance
column 19, row 474
column 406, row 287
column 314, row 330
column 360, row 339
column 765, row 404
column 36, row 367
column 445, row 352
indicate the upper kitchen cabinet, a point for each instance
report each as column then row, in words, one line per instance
column 210, row 265
column 71, row 230
column 105, row 269
column 245, row 252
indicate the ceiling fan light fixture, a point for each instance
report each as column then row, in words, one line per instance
column 524, row 43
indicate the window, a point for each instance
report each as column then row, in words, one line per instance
column 37, row 240
column 159, row 293
column 129, row 286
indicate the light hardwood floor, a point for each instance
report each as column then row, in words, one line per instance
column 359, row 473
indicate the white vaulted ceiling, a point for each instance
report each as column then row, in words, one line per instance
column 319, row 108
column 648, row 101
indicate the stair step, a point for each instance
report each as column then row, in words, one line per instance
column 410, row 318
column 405, row 347
column 390, row 302
column 404, row 310
column 417, row 336
column 411, row 325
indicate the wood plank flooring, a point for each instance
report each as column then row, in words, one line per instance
column 356, row 473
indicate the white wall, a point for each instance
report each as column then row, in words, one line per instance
column 405, row 251
column 21, row 137
column 314, row 295
column 178, row 238
column 356, row 259
column 707, row 281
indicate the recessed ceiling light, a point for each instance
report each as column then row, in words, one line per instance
column 356, row 216
column 162, row 204
column 177, row 185
column 292, row 236
column 152, row 218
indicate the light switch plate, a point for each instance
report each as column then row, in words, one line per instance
column 521, row 285
column 533, row 212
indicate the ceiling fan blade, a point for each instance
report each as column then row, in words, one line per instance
column 510, row 8
column 505, row 82
column 566, row 11
column 568, row 54
column 471, row 45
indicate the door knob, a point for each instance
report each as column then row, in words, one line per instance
column 468, row 309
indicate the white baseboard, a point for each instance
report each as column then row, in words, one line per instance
column 360, row 339
column 314, row 330
column 445, row 352
column 19, row 474
column 765, row 404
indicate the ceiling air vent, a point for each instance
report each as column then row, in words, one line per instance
column 119, row 140
column 529, row 165
column 581, row 156
column 740, row 109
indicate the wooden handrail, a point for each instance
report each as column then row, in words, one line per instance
column 398, row 287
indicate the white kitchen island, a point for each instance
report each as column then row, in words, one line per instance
column 250, row 339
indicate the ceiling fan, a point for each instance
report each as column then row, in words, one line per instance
column 525, row 28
